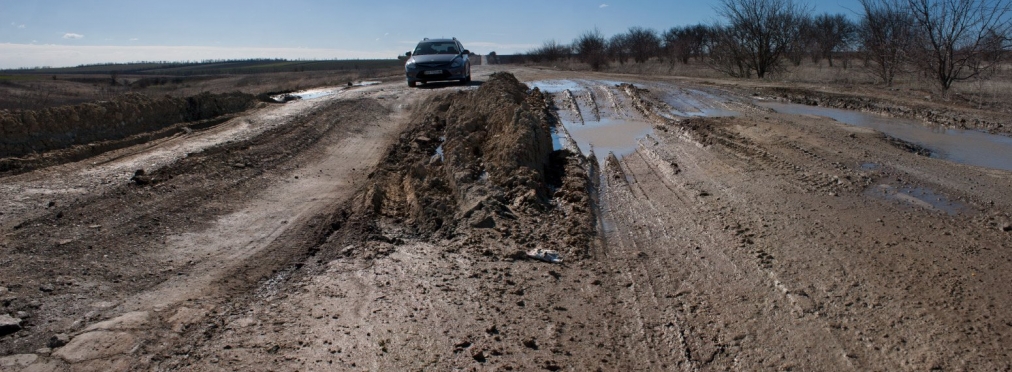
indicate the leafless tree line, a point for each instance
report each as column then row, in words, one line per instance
column 945, row 41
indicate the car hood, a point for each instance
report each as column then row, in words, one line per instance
column 429, row 58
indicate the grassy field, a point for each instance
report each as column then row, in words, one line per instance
column 257, row 66
column 993, row 93
column 30, row 89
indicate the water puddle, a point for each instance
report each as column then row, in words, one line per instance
column 318, row 92
column 556, row 86
column 962, row 146
column 920, row 197
column 609, row 135
column 306, row 94
column 869, row 166
column 439, row 150
column 559, row 141
column 696, row 103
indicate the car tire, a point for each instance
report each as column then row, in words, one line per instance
column 412, row 84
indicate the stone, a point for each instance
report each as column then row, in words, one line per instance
column 128, row 321
column 17, row 360
column 9, row 324
column 59, row 340
column 95, row 345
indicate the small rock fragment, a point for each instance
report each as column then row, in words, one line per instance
column 531, row 343
column 479, row 356
column 141, row 178
column 546, row 255
column 9, row 324
column 58, row 340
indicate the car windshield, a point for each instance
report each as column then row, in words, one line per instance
column 436, row 47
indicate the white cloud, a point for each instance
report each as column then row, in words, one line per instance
column 28, row 55
column 602, row 6
column 21, row 26
column 134, row 39
column 71, row 35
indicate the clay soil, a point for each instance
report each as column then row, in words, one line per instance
column 386, row 228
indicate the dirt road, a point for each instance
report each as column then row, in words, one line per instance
column 386, row 228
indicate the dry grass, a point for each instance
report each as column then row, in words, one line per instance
column 32, row 92
column 992, row 94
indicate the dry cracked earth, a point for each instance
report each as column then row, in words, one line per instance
column 384, row 228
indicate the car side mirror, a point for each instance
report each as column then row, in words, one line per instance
column 407, row 54
column 466, row 51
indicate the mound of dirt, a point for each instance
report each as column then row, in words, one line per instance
column 35, row 131
column 478, row 167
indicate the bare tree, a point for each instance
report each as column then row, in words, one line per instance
column 618, row 48
column 831, row 33
column 954, row 36
column 591, row 47
column 804, row 43
column 644, row 43
column 549, row 51
column 728, row 54
column 676, row 44
column 762, row 30
column 885, row 33
column 682, row 43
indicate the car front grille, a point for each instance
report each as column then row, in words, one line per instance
column 432, row 64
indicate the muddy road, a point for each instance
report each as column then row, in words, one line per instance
column 385, row 228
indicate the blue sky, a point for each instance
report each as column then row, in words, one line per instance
column 67, row 33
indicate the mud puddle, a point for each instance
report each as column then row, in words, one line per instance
column 319, row 92
column 601, row 116
column 920, row 197
column 696, row 103
column 962, row 146
column 610, row 135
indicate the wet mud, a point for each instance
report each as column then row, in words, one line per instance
column 387, row 228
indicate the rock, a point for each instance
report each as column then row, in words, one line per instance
column 43, row 351
column 479, row 356
column 9, row 324
column 59, row 340
column 18, row 360
column 1007, row 227
column 141, row 178
column 483, row 223
column 128, row 321
column 95, row 345
column 3, row 291
column 47, row 288
column 531, row 343
column 22, row 315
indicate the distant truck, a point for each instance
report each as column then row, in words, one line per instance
column 438, row 60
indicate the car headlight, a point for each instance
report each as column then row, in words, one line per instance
column 410, row 65
column 457, row 62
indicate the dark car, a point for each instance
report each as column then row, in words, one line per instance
column 438, row 60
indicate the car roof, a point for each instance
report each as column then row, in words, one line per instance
column 441, row 40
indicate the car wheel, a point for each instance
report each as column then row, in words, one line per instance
column 412, row 83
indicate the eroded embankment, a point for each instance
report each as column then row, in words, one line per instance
column 36, row 131
column 480, row 165
column 937, row 115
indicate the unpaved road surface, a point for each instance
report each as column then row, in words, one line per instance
column 385, row 228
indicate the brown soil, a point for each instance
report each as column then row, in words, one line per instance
column 385, row 228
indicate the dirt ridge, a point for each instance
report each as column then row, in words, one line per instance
column 34, row 131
